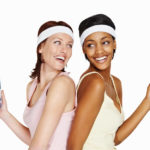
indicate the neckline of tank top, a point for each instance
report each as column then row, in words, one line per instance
column 35, row 84
column 120, row 109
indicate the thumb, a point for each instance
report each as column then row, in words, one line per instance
column 148, row 91
column 3, row 98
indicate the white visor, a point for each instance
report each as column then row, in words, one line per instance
column 53, row 30
column 97, row 28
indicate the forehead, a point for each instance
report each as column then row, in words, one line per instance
column 98, row 35
column 61, row 36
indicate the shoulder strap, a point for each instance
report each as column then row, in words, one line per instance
column 118, row 100
column 87, row 75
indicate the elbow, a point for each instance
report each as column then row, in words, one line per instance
column 28, row 141
column 117, row 143
column 72, row 145
column 117, row 140
column 37, row 147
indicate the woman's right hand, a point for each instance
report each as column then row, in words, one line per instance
column 147, row 97
column 3, row 108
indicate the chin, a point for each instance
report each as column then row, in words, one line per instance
column 101, row 67
column 60, row 68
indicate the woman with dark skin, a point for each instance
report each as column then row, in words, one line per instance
column 99, row 121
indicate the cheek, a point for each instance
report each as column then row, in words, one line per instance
column 109, row 49
column 47, row 55
column 90, row 52
column 69, row 54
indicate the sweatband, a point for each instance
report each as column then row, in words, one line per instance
column 53, row 30
column 97, row 28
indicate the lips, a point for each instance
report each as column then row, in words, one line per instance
column 101, row 59
column 60, row 59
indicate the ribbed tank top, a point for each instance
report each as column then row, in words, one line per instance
column 108, row 120
column 32, row 116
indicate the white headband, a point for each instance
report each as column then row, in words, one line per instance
column 97, row 28
column 52, row 30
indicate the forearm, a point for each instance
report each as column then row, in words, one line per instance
column 19, row 129
column 37, row 148
column 74, row 146
column 131, row 123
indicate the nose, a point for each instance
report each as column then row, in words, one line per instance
column 63, row 48
column 99, row 48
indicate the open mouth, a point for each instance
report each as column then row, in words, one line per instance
column 60, row 58
column 101, row 59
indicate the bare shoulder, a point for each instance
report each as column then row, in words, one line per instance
column 63, row 85
column 62, row 92
column 93, row 80
column 63, row 80
column 91, row 89
column 27, row 89
column 117, row 81
column 118, row 87
column 29, row 85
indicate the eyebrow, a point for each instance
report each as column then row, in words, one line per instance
column 104, row 38
column 89, row 40
column 58, row 38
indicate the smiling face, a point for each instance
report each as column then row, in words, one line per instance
column 56, row 51
column 99, row 48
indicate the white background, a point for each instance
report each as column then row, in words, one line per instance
column 19, row 23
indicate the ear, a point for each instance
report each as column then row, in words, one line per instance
column 83, row 49
column 40, row 50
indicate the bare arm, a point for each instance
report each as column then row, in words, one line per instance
column 19, row 129
column 59, row 95
column 90, row 99
column 132, row 122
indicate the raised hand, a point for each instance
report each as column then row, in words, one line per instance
column 147, row 97
column 148, row 92
column 3, row 107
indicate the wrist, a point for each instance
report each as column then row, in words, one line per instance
column 5, row 115
column 146, row 103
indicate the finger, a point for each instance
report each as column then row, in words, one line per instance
column 148, row 91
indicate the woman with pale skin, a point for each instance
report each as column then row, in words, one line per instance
column 50, row 95
column 99, row 121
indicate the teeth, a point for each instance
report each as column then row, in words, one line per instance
column 62, row 58
column 101, row 58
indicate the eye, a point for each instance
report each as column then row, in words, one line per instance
column 57, row 42
column 90, row 45
column 69, row 45
column 106, row 42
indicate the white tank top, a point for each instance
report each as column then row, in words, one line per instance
column 108, row 120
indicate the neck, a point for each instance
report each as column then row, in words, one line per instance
column 47, row 74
